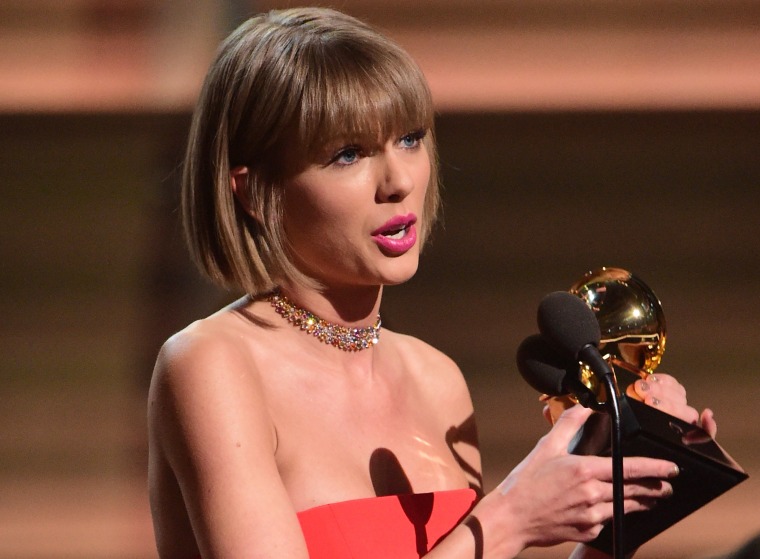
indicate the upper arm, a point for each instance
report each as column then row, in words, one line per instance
column 209, row 423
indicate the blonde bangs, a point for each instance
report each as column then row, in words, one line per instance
column 376, row 91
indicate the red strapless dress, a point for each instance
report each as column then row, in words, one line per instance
column 392, row 527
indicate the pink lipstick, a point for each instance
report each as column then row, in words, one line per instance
column 397, row 235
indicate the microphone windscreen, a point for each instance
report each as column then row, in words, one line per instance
column 567, row 323
column 541, row 366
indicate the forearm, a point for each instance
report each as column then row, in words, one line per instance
column 468, row 541
column 493, row 530
column 460, row 543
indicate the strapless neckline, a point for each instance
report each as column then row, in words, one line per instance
column 394, row 526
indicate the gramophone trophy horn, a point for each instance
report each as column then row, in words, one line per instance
column 632, row 326
column 633, row 336
column 629, row 314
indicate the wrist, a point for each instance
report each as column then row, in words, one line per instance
column 498, row 526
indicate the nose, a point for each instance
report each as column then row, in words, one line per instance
column 396, row 180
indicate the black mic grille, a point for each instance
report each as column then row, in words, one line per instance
column 541, row 366
column 567, row 323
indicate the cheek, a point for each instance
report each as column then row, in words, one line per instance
column 309, row 214
column 298, row 208
column 422, row 180
column 301, row 202
column 422, row 170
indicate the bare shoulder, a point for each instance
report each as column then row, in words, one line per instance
column 209, row 342
column 205, row 375
column 212, row 469
column 212, row 349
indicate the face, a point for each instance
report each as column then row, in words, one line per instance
column 351, row 213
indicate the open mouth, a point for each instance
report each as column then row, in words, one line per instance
column 397, row 233
column 396, row 227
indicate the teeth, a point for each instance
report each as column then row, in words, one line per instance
column 395, row 235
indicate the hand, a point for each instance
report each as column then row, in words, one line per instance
column 665, row 393
column 553, row 496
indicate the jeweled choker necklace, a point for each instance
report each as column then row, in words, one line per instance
column 342, row 337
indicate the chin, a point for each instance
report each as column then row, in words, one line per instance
column 401, row 273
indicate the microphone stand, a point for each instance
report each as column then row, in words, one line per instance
column 587, row 398
column 616, row 436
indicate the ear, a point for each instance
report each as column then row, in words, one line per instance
column 239, row 177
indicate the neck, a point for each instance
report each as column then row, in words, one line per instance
column 352, row 306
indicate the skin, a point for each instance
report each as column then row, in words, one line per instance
column 251, row 421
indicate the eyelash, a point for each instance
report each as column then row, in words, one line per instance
column 416, row 136
column 336, row 159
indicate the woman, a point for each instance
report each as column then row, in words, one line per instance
column 290, row 424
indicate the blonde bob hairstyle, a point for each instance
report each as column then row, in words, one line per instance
column 296, row 77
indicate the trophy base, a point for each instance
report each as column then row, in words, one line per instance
column 706, row 471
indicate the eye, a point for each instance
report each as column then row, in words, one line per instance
column 412, row 139
column 346, row 156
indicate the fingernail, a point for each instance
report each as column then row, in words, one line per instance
column 653, row 378
column 668, row 491
column 675, row 471
column 655, row 402
column 643, row 386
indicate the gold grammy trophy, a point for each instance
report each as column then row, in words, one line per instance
column 633, row 335
column 632, row 326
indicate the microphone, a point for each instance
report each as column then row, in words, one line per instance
column 572, row 328
column 544, row 369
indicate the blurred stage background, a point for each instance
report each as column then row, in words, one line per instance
column 573, row 134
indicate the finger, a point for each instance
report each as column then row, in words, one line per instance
column 653, row 387
column 567, row 426
column 548, row 414
column 676, row 409
column 593, row 493
column 662, row 378
column 647, row 488
column 591, row 520
column 707, row 422
column 643, row 390
column 587, row 531
column 635, row 468
column 639, row 504
column 632, row 393
column 638, row 467
column 666, row 394
column 667, row 386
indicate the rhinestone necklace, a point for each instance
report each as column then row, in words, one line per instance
column 342, row 337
